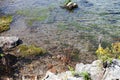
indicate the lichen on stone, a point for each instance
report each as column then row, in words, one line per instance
column 5, row 23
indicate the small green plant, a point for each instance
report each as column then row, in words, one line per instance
column 86, row 75
column 5, row 23
column 108, row 53
column 1, row 54
column 72, row 70
column 30, row 50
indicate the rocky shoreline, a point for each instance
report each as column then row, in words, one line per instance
column 41, row 41
column 95, row 71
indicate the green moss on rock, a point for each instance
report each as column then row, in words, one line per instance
column 5, row 23
column 30, row 50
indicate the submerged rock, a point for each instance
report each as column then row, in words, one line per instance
column 9, row 42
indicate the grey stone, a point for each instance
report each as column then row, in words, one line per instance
column 9, row 42
column 62, row 76
column 50, row 76
column 113, row 72
column 95, row 69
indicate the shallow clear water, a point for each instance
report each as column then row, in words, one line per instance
column 45, row 24
column 95, row 17
column 88, row 9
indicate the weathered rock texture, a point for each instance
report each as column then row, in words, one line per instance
column 9, row 42
column 7, row 60
column 96, row 71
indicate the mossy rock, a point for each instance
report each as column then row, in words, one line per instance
column 69, row 5
column 30, row 50
column 5, row 23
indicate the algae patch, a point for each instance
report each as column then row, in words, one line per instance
column 35, row 14
column 5, row 23
column 62, row 26
column 30, row 50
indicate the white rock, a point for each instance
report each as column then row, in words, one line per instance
column 113, row 72
column 64, row 75
column 96, row 71
column 96, row 63
column 74, row 78
column 50, row 76
column 69, row 76
column 87, row 67
column 79, row 68
column 70, row 3
column 8, row 42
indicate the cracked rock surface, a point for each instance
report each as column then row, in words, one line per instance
column 95, row 69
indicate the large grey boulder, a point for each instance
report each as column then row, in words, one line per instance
column 95, row 69
column 97, row 72
column 9, row 42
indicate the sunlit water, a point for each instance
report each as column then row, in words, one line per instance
column 59, row 31
column 95, row 17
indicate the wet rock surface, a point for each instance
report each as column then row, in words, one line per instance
column 9, row 42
